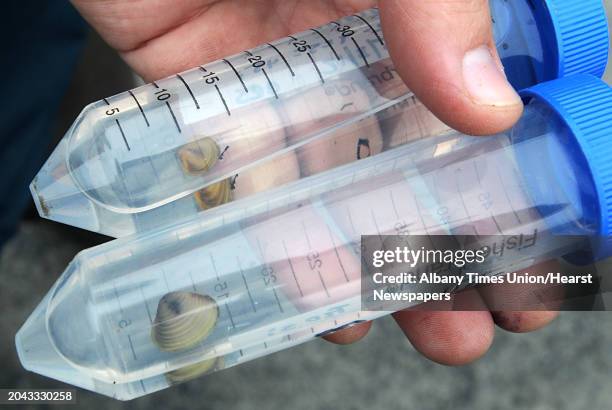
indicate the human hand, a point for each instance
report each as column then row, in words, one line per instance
column 443, row 51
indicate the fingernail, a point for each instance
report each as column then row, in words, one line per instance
column 339, row 328
column 485, row 80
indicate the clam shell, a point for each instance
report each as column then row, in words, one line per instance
column 195, row 370
column 199, row 156
column 183, row 320
column 214, row 195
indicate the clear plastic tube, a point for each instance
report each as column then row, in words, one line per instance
column 293, row 107
column 255, row 276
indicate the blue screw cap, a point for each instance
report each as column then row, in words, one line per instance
column 576, row 37
column 584, row 104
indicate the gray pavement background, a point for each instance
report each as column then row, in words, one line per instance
column 565, row 366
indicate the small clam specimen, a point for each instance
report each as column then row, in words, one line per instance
column 214, row 195
column 363, row 148
column 199, row 156
column 183, row 320
column 195, row 370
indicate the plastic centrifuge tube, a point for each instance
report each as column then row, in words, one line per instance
column 140, row 313
column 273, row 114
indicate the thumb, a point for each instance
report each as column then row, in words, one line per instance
column 445, row 53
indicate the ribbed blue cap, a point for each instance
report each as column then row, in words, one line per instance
column 584, row 103
column 579, row 30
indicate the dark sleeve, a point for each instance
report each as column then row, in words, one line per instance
column 40, row 45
